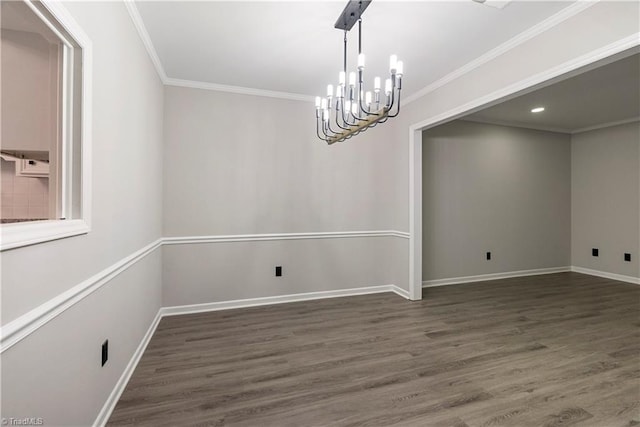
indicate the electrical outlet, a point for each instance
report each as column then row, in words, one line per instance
column 595, row 252
column 278, row 270
column 627, row 257
column 105, row 352
column 488, row 256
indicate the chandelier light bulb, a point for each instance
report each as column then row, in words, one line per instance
column 354, row 108
column 376, row 84
column 387, row 86
column 323, row 104
column 341, row 78
column 347, row 105
column 352, row 79
column 399, row 68
column 367, row 98
column 338, row 91
column 393, row 63
column 361, row 61
column 317, row 102
column 326, row 115
column 329, row 91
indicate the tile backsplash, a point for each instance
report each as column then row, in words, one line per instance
column 22, row 197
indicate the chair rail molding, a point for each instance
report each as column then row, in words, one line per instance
column 21, row 327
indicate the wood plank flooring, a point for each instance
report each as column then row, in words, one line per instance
column 554, row 350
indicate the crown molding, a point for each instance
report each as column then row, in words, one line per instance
column 134, row 13
column 238, row 89
column 146, row 39
column 517, row 125
column 537, row 29
column 606, row 125
column 541, row 27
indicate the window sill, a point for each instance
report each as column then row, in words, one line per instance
column 16, row 235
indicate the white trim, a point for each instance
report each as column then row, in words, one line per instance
column 279, row 299
column 415, row 214
column 606, row 275
column 134, row 13
column 114, row 396
column 20, row 234
column 401, row 291
column 281, row 236
column 493, row 276
column 415, row 165
column 23, row 234
column 516, row 125
column 541, row 27
column 18, row 329
column 607, row 125
column 238, row 89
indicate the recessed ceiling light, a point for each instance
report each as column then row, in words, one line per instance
column 537, row 110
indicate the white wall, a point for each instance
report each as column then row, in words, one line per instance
column 605, row 199
column 241, row 164
column 575, row 40
column 29, row 90
column 55, row 372
column 494, row 188
column 68, row 388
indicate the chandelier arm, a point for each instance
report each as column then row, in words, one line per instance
column 398, row 109
column 324, row 131
column 329, row 126
column 340, row 108
column 318, row 130
column 393, row 91
column 344, row 118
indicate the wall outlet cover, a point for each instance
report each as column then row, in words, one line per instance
column 627, row 257
column 595, row 252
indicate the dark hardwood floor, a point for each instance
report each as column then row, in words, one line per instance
column 554, row 350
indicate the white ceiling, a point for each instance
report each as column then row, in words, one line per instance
column 608, row 94
column 292, row 47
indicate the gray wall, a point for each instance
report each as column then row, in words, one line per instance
column 605, row 192
column 226, row 174
column 494, row 188
column 55, row 372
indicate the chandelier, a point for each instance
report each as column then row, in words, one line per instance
column 351, row 110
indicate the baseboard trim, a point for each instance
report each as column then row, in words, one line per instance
column 117, row 391
column 278, row 299
column 400, row 291
column 606, row 275
column 493, row 276
column 20, row 328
